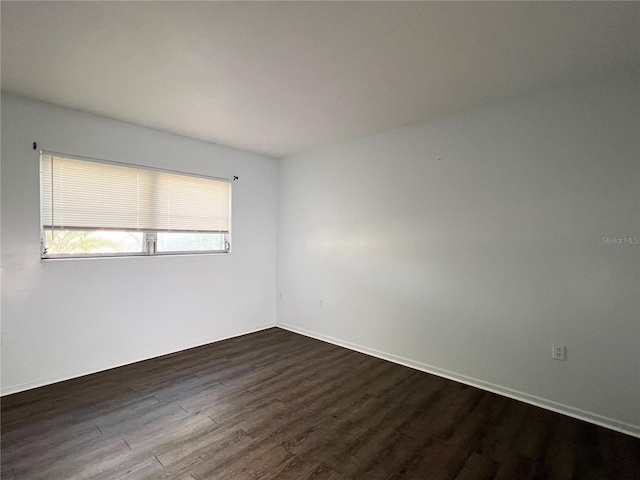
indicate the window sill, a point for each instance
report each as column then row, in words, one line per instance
column 56, row 258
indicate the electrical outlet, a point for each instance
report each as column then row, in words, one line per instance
column 320, row 304
column 559, row 352
column 280, row 295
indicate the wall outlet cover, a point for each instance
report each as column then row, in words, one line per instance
column 559, row 352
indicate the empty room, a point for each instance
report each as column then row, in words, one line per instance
column 320, row 240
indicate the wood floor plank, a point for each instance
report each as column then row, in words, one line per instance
column 331, row 445
column 258, row 464
column 57, row 440
column 209, row 443
column 88, row 458
column 497, row 443
column 559, row 454
column 441, row 418
column 185, row 390
column 278, row 405
column 325, row 472
column 22, row 430
column 535, row 432
column 320, row 434
column 169, row 435
column 517, row 467
column 214, row 399
column 247, row 459
column 300, row 467
column 409, row 398
column 477, row 467
column 6, row 474
column 377, row 459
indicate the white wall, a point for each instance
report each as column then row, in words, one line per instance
column 66, row 318
column 467, row 246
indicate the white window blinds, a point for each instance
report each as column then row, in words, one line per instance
column 88, row 195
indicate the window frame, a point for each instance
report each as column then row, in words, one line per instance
column 149, row 237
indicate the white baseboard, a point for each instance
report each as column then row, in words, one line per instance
column 611, row 423
column 61, row 378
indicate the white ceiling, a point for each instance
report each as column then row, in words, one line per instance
column 280, row 78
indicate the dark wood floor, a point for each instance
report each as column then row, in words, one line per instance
column 276, row 405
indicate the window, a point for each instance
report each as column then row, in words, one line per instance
column 94, row 208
